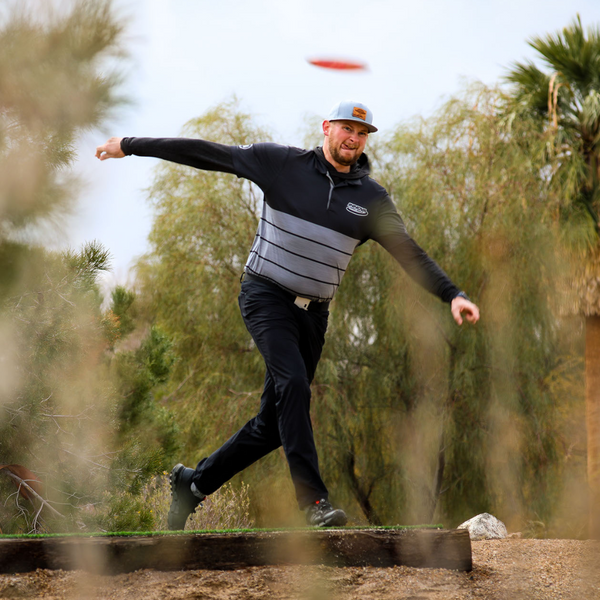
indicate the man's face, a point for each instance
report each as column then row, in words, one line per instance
column 344, row 142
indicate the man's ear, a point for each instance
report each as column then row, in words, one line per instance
column 326, row 127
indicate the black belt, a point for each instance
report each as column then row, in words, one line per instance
column 299, row 301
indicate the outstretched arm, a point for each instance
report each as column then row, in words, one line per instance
column 197, row 153
column 111, row 149
column 391, row 233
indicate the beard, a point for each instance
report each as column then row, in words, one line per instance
column 339, row 157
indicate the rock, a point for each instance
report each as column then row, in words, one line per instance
column 485, row 527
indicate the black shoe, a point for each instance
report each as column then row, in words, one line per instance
column 322, row 514
column 183, row 500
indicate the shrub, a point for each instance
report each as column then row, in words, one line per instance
column 227, row 508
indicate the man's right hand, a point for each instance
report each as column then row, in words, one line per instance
column 112, row 149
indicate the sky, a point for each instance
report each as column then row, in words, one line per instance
column 189, row 55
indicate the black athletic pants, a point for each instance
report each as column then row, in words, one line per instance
column 290, row 340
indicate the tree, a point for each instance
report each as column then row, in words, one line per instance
column 436, row 422
column 55, row 83
column 55, row 388
column 566, row 103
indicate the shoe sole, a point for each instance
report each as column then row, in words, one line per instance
column 175, row 504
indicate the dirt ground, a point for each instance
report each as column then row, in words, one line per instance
column 510, row 569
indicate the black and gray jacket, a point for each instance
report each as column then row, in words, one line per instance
column 313, row 217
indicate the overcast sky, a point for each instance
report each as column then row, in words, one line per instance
column 188, row 55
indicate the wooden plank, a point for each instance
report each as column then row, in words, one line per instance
column 431, row 548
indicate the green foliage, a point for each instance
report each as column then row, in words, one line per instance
column 565, row 104
column 434, row 422
column 122, row 511
column 55, row 388
column 122, row 301
column 54, row 83
column 82, row 418
column 228, row 508
column 146, row 509
column 60, row 409
column 140, row 371
column 147, row 432
column 473, row 196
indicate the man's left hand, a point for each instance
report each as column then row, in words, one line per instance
column 461, row 305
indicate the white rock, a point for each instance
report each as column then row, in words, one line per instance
column 485, row 527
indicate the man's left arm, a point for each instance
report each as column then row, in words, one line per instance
column 391, row 233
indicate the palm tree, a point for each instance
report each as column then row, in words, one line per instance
column 565, row 99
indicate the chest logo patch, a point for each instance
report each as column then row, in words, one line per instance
column 246, row 146
column 357, row 210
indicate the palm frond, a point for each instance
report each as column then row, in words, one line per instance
column 531, row 86
column 573, row 54
column 590, row 112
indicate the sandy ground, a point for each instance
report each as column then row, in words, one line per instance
column 509, row 569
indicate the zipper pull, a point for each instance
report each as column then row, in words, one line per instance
column 331, row 186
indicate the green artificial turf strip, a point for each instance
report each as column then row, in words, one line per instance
column 162, row 533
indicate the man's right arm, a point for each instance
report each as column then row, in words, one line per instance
column 197, row 153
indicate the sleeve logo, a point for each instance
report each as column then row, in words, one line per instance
column 246, row 146
column 357, row 210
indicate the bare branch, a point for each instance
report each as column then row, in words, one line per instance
column 164, row 400
column 79, row 416
column 86, row 459
column 23, row 483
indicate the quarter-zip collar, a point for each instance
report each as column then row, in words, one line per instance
column 361, row 168
column 358, row 170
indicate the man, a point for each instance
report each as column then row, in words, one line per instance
column 319, row 205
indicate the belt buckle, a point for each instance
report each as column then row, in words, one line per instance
column 301, row 302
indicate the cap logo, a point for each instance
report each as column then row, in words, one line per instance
column 361, row 113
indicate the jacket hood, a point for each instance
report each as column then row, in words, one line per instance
column 361, row 168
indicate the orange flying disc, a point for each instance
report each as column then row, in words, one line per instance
column 337, row 64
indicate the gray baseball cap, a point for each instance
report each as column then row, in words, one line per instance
column 347, row 110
